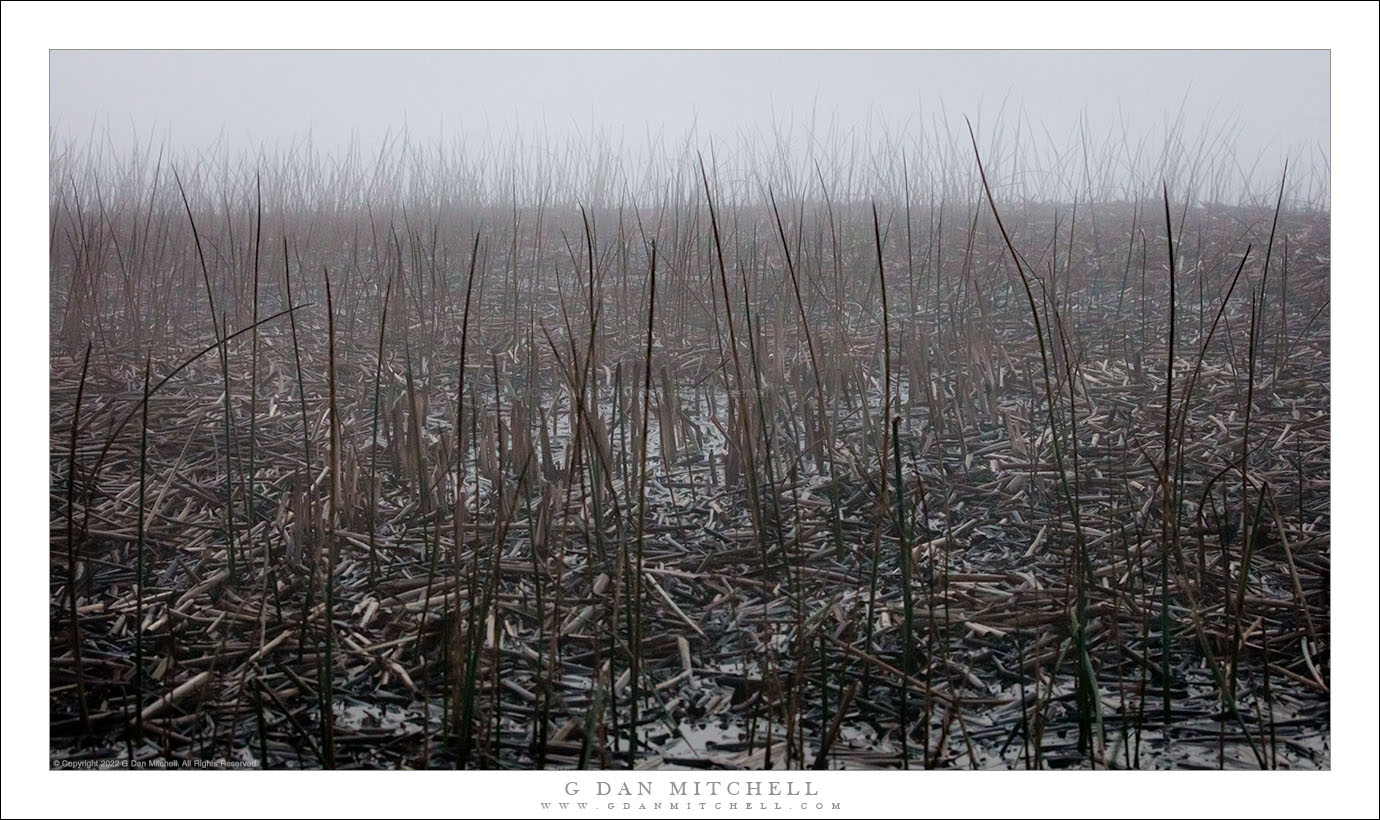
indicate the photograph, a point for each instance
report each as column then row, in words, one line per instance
column 650, row 430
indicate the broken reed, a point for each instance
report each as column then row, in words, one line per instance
column 765, row 401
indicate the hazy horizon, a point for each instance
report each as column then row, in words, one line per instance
column 1258, row 108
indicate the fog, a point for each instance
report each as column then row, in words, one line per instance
column 129, row 292
column 1255, row 107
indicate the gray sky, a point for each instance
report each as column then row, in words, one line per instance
column 1275, row 97
column 1269, row 103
